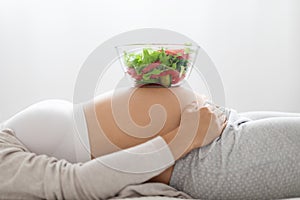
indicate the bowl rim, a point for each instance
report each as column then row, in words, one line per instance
column 166, row 44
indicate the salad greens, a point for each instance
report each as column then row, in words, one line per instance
column 162, row 66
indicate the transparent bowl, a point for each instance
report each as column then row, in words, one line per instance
column 165, row 65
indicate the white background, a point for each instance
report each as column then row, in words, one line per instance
column 255, row 45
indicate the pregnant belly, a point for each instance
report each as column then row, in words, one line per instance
column 133, row 116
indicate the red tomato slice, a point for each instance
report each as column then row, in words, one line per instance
column 175, row 52
column 131, row 71
column 150, row 67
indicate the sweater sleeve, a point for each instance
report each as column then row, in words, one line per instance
column 26, row 175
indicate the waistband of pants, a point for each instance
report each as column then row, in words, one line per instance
column 234, row 120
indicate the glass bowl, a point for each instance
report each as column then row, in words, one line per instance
column 165, row 65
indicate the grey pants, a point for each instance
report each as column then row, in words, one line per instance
column 256, row 157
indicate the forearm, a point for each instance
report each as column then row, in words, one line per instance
column 133, row 166
column 165, row 176
column 33, row 176
column 178, row 147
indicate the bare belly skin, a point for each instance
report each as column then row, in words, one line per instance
column 122, row 119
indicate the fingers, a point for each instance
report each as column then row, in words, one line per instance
column 222, row 118
column 209, row 112
column 192, row 107
column 201, row 99
column 209, row 122
column 217, row 110
column 205, row 109
column 223, row 126
column 189, row 114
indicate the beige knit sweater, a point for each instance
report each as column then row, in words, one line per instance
column 25, row 175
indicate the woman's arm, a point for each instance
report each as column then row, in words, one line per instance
column 199, row 126
column 108, row 135
column 31, row 176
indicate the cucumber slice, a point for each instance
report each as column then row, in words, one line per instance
column 165, row 80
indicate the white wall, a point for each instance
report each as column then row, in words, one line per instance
column 255, row 45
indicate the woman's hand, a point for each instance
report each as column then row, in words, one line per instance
column 211, row 124
column 198, row 127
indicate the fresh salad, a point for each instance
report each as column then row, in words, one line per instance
column 162, row 66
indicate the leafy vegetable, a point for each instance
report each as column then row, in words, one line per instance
column 163, row 66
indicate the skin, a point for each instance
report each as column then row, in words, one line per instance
column 110, row 132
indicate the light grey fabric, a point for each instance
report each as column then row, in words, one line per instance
column 152, row 198
column 256, row 115
column 25, row 175
column 256, row 157
column 150, row 189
